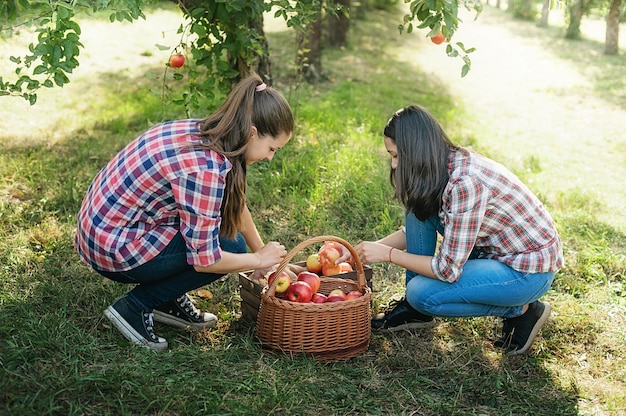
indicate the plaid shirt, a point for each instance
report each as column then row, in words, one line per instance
column 488, row 208
column 152, row 189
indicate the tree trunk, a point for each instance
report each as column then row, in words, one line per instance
column 309, row 58
column 545, row 11
column 575, row 17
column 338, row 25
column 261, row 64
column 498, row 4
column 611, row 46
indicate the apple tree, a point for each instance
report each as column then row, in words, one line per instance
column 225, row 38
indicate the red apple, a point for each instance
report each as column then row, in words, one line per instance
column 336, row 295
column 318, row 298
column 313, row 263
column 345, row 267
column 311, row 278
column 283, row 282
column 329, row 254
column 331, row 270
column 299, row 292
column 355, row 294
column 438, row 38
column 177, row 60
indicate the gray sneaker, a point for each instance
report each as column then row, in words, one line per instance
column 135, row 324
column 182, row 313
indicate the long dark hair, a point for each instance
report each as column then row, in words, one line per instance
column 423, row 149
column 228, row 131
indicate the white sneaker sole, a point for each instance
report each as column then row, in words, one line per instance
column 168, row 319
column 129, row 332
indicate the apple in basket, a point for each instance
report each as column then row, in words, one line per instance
column 313, row 263
column 283, row 282
column 299, row 292
column 329, row 254
column 318, row 298
column 355, row 294
column 336, row 295
column 311, row 278
column 331, row 270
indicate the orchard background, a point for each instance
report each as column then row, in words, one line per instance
column 552, row 110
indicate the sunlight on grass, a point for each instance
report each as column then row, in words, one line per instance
column 332, row 178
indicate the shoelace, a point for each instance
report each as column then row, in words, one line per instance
column 186, row 304
column 149, row 323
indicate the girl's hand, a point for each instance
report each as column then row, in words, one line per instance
column 292, row 270
column 270, row 255
column 345, row 254
column 370, row 252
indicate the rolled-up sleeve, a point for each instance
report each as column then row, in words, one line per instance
column 199, row 197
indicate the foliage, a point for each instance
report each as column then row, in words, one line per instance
column 222, row 37
column 55, row 53
column 441, row 17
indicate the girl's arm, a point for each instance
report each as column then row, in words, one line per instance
column 250, row 232
column 391, row 249
column 269, row 255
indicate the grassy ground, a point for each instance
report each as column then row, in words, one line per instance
column 59, row 356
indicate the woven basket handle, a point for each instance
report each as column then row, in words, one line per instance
column 361, row 282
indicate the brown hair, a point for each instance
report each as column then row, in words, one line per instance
column 228, row 131
column 423, row 149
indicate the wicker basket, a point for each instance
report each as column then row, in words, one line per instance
column 327, row 331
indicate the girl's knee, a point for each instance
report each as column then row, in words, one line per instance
column 417, row 294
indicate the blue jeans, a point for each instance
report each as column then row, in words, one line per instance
column 486, row 287
column 168, row 275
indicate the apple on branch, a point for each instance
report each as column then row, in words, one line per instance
column 177, row 60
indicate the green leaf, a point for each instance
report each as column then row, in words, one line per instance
column 40, row 69
column 464, row 70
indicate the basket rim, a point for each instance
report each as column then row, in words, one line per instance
column 360, row 271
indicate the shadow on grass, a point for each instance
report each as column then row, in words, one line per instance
column 60, row 357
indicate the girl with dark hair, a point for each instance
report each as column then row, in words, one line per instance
column 499, row 249
column 168, row 213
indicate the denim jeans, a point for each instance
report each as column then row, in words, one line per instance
column 168, row 275
column 486, row 287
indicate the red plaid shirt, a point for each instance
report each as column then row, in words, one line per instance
column 152, row 189
column 488, row 208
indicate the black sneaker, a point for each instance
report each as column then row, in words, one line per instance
column 519, row 333
column 135, row 324
column 182, row 313
column 400, row 315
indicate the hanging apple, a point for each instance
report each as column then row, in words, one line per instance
column 177, row 60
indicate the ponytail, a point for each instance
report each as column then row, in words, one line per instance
column 228, row 131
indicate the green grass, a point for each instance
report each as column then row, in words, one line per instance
column 59, row 356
